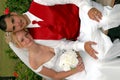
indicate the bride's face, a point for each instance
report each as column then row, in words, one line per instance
column 24, row 38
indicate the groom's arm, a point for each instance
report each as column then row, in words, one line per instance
column 68, row 44
column 63, row 44
column 82, row 4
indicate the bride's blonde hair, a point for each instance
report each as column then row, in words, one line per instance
column 7, row 37
column 15, row 40
column 11, row 37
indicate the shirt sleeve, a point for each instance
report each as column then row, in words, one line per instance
column 63, row 44
column 82, row 4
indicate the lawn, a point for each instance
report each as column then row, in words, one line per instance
column 6, row 64
column 9, row 65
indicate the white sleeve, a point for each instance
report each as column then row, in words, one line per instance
column 63, row 44
column 111, row 17
column 82, row 4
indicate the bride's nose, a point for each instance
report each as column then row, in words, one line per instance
column 27, row 40
column 17, row 24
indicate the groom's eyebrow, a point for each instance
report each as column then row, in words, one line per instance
column 13, row 28
column 12, row 20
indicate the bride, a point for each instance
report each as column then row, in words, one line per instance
column 43, row 59
column 107, row 67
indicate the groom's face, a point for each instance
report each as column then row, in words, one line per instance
column 15, row 23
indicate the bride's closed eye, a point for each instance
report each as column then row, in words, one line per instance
column 26, row 33
column 22, row 40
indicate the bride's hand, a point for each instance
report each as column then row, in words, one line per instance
column 90, row 50
column 80, row 66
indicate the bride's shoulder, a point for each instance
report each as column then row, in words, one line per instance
column 35, row 64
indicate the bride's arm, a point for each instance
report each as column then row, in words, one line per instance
column 60, row 75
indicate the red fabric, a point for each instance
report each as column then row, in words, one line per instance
column 7, row 11
column 59, row 21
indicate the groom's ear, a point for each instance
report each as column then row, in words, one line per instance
column 13, row 13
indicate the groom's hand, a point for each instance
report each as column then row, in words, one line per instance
column 95, row 14
column 90, row 50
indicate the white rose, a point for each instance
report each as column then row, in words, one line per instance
column 68, row 60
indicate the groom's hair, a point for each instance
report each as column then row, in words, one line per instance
column 3, row 25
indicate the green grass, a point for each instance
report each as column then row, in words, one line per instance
column 6, row 64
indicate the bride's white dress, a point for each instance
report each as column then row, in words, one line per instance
column 107, row 67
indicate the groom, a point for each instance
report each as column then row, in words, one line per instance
column 53, row 23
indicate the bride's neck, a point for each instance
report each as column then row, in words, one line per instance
column 34, row 47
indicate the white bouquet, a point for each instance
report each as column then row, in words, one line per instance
column 68, row 60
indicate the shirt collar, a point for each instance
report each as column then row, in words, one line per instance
column 32, row 17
